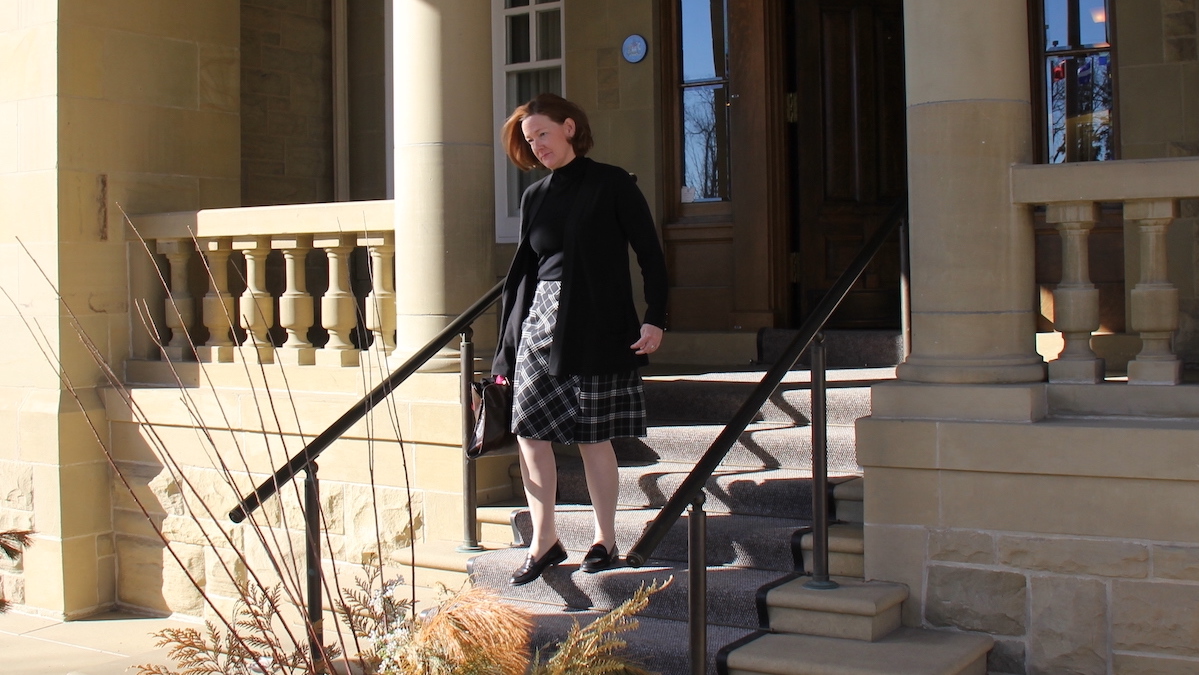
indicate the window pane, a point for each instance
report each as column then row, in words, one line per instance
column 523, row 86
column 542, row 2
column 704, row 43
column 549, row 35
column 1079, row 96
column 526, row 84
column 705, row 144
column 1075, row 24
column 517, row 3
column 518, row 38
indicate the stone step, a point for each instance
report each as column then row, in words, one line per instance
column 733, row 540
column 782, row 493
column 847, row 501
column 659, row 645
column 730, row 589
column 843, row 348
column 763, row 445
column 906, row 651
column 856, row 610
column 714, row 398
column 845, row 550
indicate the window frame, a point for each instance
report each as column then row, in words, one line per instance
column 507, row 228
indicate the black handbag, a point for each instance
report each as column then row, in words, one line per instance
column 491, row 404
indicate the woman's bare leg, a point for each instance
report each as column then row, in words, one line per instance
column 540, row 473
column 599, row 460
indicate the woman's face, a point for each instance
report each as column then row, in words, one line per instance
column 549, row 140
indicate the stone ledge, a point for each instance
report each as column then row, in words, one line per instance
column 857, row 597
column 907, row 651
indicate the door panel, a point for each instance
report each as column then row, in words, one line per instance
column 849, row 156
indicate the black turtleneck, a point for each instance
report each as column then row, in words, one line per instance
column 549, row 226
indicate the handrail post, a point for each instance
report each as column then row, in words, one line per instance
column 697, row 591
column 819, row 580
column 312, row 554
column 470, row 505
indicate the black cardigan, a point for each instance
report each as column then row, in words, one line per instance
column 597, row 320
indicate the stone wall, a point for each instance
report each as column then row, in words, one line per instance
column 188, row 489
column 287, row 102
column 1067, row 604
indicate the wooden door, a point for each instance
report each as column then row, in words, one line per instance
column 848, row 152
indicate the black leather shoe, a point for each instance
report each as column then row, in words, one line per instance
column 533, row 568
column 599, row 558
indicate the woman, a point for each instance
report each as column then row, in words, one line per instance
column 570, row 338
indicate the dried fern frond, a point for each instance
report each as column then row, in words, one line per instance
column 12, row 542
column 472, row 632
column 594, row 649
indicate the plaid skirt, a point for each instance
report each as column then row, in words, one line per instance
column 573, row 408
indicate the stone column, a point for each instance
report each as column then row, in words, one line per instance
column 445, row 223
column 973, row 312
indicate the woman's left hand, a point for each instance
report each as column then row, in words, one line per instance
column 651, row 339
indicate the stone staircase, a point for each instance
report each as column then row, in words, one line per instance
column 759, row 509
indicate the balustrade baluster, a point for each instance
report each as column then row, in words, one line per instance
column 295, row 305
column 180, row 307
column 1154, row 299
column 256, row 310
column 381, row 303
column 218, row 304
column 1075, row 300
column 338, row 308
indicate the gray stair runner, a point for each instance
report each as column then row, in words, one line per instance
column 758, row 505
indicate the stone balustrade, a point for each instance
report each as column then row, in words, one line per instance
column 1149, row 191
column 264, row 324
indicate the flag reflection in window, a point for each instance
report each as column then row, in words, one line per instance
column 1078, row 81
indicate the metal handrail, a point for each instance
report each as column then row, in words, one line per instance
column 694, row 483
column 359, row 410
column 305, row 460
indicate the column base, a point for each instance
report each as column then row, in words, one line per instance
column 1014, row 370
column 296, row 356
column 338, row 357
column 254, row 355
column 1076, row 371
column 1167, row 372
column 220, row 354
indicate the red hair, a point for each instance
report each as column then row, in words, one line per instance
column 557, row 109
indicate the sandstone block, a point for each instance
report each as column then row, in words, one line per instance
column 140, row 573
column 385, row 511
column 1144, row 664
column 16, row 486
column 1076, row 556
column 12, row 588
column 178, row 589
column 1006, row 658
column 1176, row 562
column 966, row 546
column 224, row 572
column 1156, row 617
column 1069, row 626
column 989, row 601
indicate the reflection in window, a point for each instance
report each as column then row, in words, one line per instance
column 1078, row 81
column 704, row 123
column 1080, row 108
column 705, row 143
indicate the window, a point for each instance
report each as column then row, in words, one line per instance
column 1075, row 69
column 703, row 90
column 527, row 37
